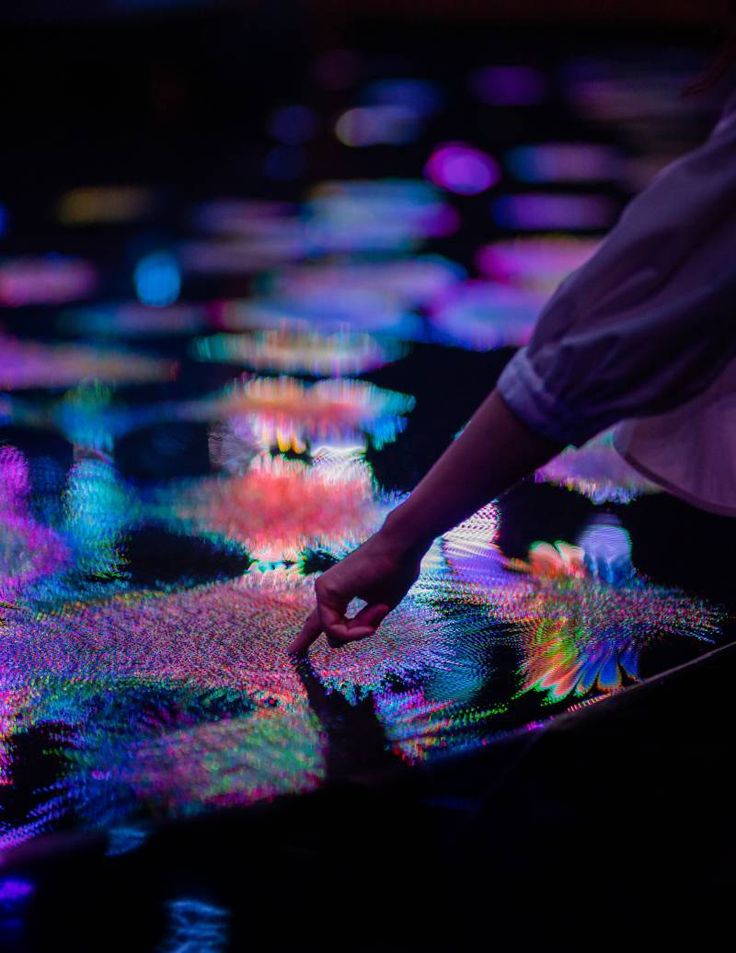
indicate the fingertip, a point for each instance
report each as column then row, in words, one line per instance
column 309, row 633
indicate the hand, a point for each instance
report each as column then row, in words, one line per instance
column 380, row 572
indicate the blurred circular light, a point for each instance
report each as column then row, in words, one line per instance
column 462, row 169
column 157, row 279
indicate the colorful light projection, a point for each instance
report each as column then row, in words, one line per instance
column 243, row 256
column 134, row 321
column 323, row 311
column 291, row 414
column 582, row 613
column 378, row 215
column 481, row 315
column 254, row 218
column 411, row 282
column 419, row 727
column 564, row 162
column 29, row 551
column 105, row 205
column 279, row 508
column 29, row 364
column 195, row 925
column 47, row 279
column 461, row 168
column 598, row 471
column 534, row 264
column 365, row 126
column 99, row 509
column 83, row 415
column 300, row 352
column 509, row 85
column 386, row 215
column 539, row 211
column 175, row 704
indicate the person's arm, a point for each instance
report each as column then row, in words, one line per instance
column 643, row 326
column 494, row 451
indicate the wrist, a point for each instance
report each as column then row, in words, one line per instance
column 404, row 533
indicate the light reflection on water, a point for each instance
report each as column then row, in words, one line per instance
column 145, row 610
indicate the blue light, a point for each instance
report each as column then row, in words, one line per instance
column 157, row 279
column 195, row 927
column 3, row 219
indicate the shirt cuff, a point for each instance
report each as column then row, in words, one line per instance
column 523, row 390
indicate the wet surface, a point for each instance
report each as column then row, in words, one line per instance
column 204, row 403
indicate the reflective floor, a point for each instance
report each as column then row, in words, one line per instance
column 204, row 402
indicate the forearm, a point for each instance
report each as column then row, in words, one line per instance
column 494, row 451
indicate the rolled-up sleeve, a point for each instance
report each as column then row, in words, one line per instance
column 649, row 321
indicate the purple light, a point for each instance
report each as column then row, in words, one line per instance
column 509, row 85
column 564, row 162
column 418, row 95
column 13, row 890
column 546, row 211
column 481, row 315
column 534, row 263
column 47, row 279
column 462, row 169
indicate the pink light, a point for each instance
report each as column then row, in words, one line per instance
column 26, row 364
column 462, row 169
column 50, row 280
column 535, row 264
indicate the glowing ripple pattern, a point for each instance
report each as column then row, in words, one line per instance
column 185, row 702
column 295, row 351
column 28, row 550
column 279, row 508
column 598, row 471
column 583, row 613
column 322, row 309
column 289, row 413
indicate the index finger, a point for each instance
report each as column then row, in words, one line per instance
column 310, row 632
